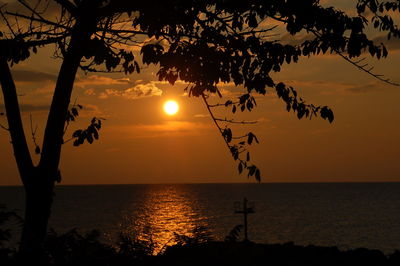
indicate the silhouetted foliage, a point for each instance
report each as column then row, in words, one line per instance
column 135, row 248
column 7, row 218
column 202, row 43
column 75, row 249
column 199, row 234
column 233, row 235
column 5, row 234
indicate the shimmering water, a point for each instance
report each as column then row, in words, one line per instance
column 347, row 215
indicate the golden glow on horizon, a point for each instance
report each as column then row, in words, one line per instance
column 171, row 107
column 169, row 210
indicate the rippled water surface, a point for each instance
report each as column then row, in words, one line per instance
column 346, row 215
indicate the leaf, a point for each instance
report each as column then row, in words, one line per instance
column 240, row 167
column 248, row 156
column 74, row 111
column 327, row 113
column 249, row 105
column 227, row 134
column 77, row 133
column 95, row 134
column 227, row 103
column 250, row 137
column 234, row 109
column 76, row 143
column 234, row 151
column 258, row 175
column 252, row 170
column 89, row 138
column 252, row 21
column 137, row 67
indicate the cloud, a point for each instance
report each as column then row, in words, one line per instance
column 88, row 109
column 297, row 39
column 392, row 44
column 169, row 128
column 90, row 92
column 364, row 88
column 138, row 91
column 201, row 115
column 29, row 108
column 338, row 88
column 32, row 76
column 85, row 81
column 91, row 110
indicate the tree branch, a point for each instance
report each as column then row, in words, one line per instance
column 54, row 130
column 235, row 122
column 20, row 146
column 213, row 118
column 368, row 71
column 45, row 21
column 4, row 127
column 70, row 7
column 33, row 133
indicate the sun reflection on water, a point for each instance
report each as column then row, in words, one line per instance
column 166, row 210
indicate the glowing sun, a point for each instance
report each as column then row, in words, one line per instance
column 171, row 107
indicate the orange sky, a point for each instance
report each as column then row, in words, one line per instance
column 139, row 143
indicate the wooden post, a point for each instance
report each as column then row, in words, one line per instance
column 245, row 210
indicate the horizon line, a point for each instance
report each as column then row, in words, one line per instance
column 218, row 183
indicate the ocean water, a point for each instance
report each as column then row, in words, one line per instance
column 347, row 215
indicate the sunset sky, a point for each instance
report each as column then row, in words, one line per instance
column 140, row 143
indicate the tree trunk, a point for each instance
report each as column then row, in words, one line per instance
column 38, row 201
column 39, row 192
column 39, row 181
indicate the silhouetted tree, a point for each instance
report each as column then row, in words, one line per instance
column 201, row 42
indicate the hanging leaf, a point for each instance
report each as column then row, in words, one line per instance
column 240, row 167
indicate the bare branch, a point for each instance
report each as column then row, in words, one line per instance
column 20, row 146
column 33, row 133
column 235, row 122
column 346, row 58
column 44, row 21
column 5, row 128
column 368, row 71
column 8, row 24
column 22, row 2
column 222, row 104
column 70, row 7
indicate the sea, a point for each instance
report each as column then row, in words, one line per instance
column 346, row 215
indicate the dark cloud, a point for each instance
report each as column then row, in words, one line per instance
column 28, row 108
column 32, row 76
column 287, row 38
column 392, row 44
column 364, row 88
column 40, row 108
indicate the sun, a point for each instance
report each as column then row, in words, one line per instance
column 171, row 107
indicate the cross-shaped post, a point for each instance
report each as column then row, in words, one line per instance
column 245, row 210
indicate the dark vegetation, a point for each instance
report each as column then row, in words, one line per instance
column 202, row 43
column 75, row 249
